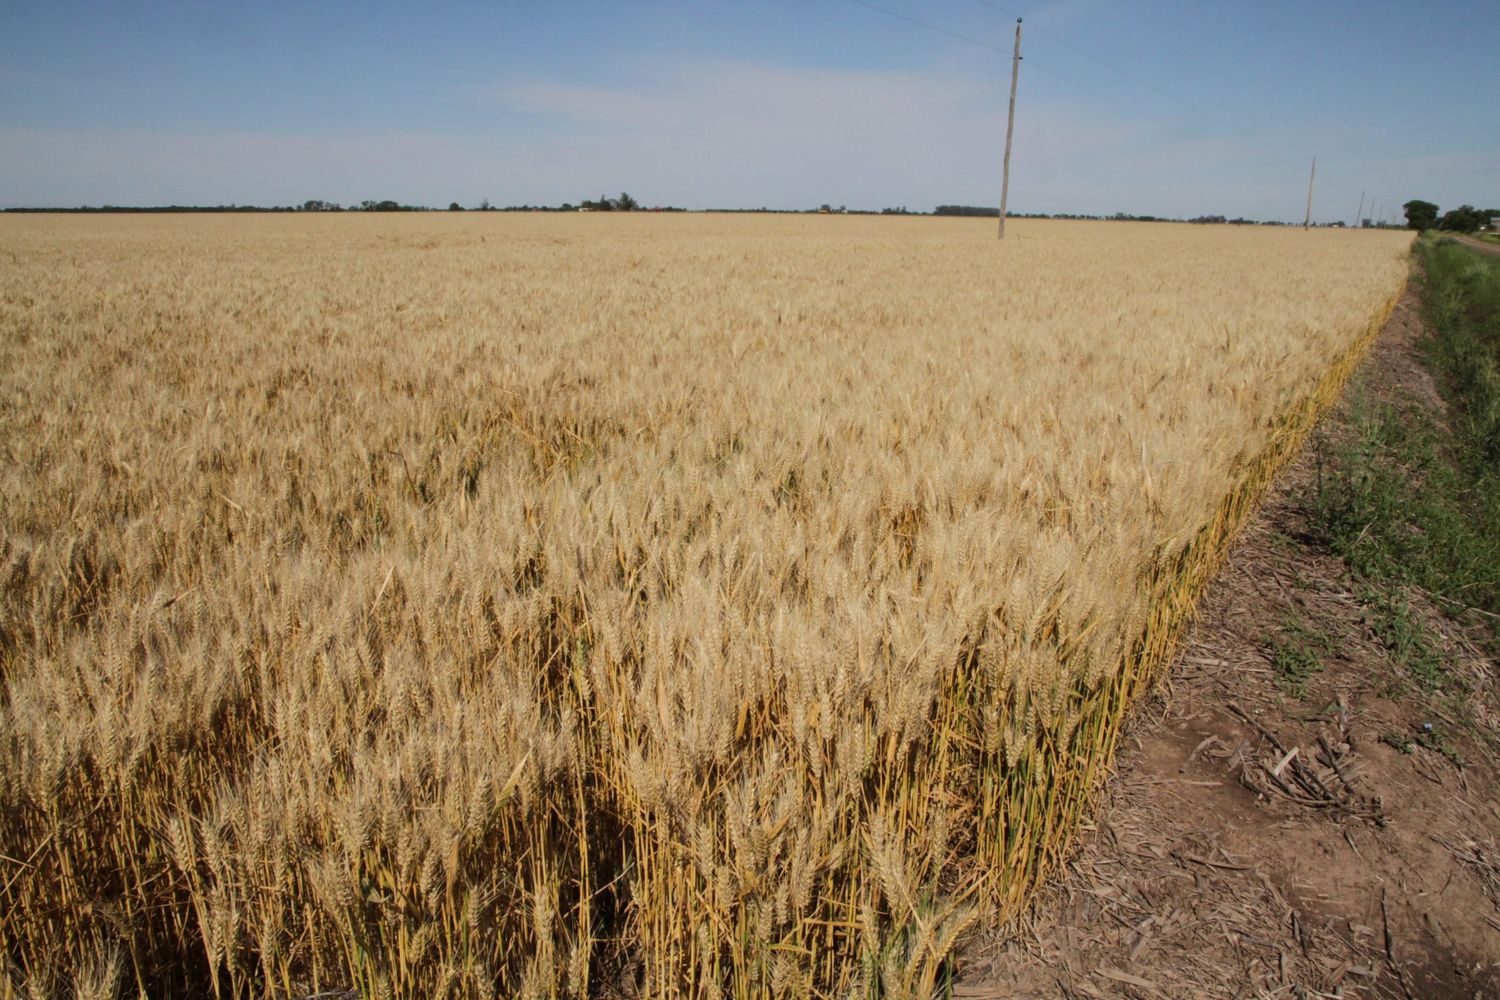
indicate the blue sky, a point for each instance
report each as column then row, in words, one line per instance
column 1205, row 107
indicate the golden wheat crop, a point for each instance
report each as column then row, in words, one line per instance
column 549, row 606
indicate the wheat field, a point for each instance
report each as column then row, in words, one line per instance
column 563, row 606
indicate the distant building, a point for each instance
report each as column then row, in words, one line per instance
column 1495, row 223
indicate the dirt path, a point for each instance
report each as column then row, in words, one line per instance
column 1493, row 249
column 1257, row 844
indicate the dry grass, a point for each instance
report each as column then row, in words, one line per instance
column 462, row 606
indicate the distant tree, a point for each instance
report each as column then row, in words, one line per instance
column 967, row 210
column 1420, row 214
column 1460, row 220
column 454, row 206
column 485, row 206
column 320, row 206
column 625, row 203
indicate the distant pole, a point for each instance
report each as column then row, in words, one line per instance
column 1359, row 216
column 1376, row 214
column 1307, row 219
column 1010, row 126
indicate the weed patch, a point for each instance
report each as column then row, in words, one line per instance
column 1297, row 652
column 1411, row 500
column 1390, row 619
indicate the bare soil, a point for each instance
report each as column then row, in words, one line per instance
column 1490, row 248
column 1258, row 844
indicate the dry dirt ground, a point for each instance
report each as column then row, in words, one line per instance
column 1490, row 248
column 1258, row 844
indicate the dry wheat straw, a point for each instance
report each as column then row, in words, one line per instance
column 473, row 606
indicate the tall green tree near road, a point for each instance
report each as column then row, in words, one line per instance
column 1420, row 214
column 1463, row 219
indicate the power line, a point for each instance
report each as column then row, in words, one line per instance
column 1074, row 83
column 1101, row 61
column 1204, row 116
column 986, row 45
column 933, row 27
column 995, row 48
column 1204, row 140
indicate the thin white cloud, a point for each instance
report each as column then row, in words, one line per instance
column 749, row 134
column 714, row 134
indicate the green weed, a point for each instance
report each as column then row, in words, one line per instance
column 1409, row 499
column 1296, row 653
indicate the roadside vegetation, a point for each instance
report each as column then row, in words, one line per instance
column 1297, row 653
column 1411, row 499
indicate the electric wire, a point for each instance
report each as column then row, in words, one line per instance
column 1101, row 61
column 932, row 27
column 984, row 45
column 1237, row 153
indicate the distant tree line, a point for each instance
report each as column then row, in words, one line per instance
column 146, row 209
column 369, row 205
column 1463, row 219
column 604, row 203
column 624, row 203
column 306, row 206
column 991, row 212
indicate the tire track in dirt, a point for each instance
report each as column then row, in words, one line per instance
column 1493, row 249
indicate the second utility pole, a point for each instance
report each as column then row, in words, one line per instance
column 1308, row 217
column 1010, row 126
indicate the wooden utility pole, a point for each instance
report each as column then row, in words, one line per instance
column 1307, row 219
column 1358, row 216
column 1010, row 126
